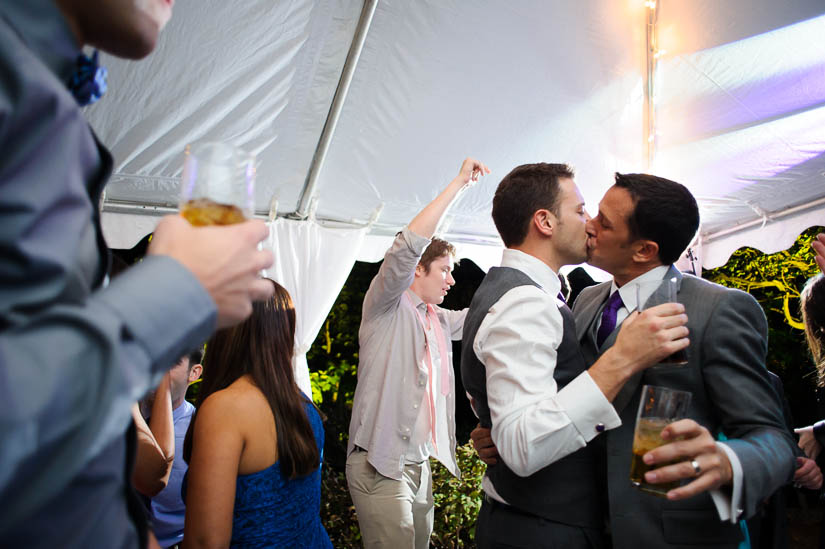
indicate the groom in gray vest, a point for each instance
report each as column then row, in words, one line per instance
column 643, row 225
column 530, row 384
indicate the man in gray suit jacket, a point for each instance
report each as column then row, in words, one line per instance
column 75, row 354
column 643, row 225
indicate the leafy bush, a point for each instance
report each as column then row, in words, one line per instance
column 775, row 281
column 457, row 501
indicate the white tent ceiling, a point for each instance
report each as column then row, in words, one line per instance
column 739, row 107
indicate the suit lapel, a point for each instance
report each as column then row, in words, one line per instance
column 585, row 311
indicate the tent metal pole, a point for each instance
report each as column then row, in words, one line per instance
column 318, row 158
column 652, row 55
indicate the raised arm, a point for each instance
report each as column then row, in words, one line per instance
column 397, row 271
column 426, row 222
column 152, row 466
column 161, row 422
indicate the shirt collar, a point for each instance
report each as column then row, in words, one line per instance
column 628, row 291
column 416, row 301
column 45, row 30
column 533, row 267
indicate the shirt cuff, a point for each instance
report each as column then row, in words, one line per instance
column 729, row 507
column 586, row 406
column 416, row 243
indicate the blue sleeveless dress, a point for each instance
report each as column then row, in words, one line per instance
column 273, row 511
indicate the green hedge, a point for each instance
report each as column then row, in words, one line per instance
column 457, row 503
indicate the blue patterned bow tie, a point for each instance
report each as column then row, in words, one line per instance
column 88, row 81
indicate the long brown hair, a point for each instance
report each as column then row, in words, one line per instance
column 262, row 347
column 813, row 316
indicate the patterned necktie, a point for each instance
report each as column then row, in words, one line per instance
column 609, row 317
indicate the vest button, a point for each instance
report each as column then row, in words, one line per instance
column 600, row 427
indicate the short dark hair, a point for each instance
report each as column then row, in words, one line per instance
column 436, row 249
column 523, row 191
column 262, row 347
column 195, row 357
column 663, row 211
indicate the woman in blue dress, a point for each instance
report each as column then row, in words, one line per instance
column 256, row 442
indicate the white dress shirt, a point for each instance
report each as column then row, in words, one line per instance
column 533, row 422
column 726, row 506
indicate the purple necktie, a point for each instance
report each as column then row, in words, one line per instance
column 609, row 317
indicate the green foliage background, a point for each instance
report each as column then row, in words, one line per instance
column 776, row 280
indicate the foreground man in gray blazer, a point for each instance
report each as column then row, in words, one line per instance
column 643, row 225
column 75, row 354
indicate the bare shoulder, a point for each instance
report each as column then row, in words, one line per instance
column 232, row 403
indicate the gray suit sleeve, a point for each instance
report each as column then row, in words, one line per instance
column 69, row 375
column 740, row 391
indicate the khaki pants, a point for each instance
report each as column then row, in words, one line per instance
column 396, row 514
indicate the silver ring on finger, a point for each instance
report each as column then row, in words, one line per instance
column 697, row 469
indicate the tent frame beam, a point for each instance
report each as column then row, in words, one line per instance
column 768, row 217
column 338, row 100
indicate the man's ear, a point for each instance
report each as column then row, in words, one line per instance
column 646, row 251
column 195, row 373
column 543, row 221
column 420, row 270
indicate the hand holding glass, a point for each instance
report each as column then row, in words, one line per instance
column 656, row 292
column 658, row 407
column 218, row 184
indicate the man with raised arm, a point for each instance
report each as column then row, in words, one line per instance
column 404, row 407
column 74, row 354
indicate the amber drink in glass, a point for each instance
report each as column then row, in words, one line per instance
column 658, row 407
column 218, row 184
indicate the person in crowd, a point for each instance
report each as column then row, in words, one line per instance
column 404, row 404
column 812, row 304
column 643, row 225
column 167, row 509
column 768, row 528
column 155, row 449
column 522, row 366
column 256, row 442
column 812, row 437
column 77, row 355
